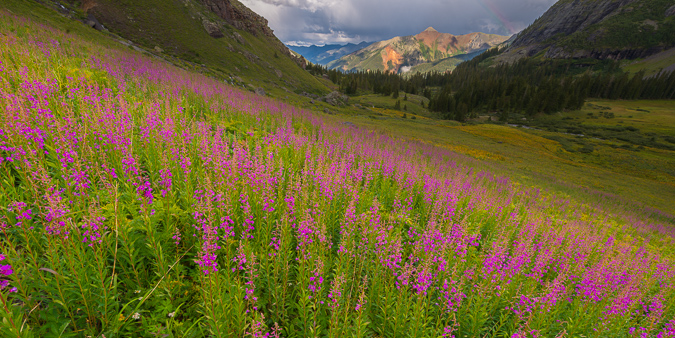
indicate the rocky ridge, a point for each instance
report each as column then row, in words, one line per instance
column 220, row 37
column 578, row 29
column 404, row 52
column 322, row 55
column 239, row 16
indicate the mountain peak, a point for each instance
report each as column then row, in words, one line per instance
column 426, row 47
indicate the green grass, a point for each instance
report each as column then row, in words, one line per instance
column 185, row 42
column 185, row 37
column 558, row 161
column 551, row 157
column 374, row 62
column 387, row 102
column 134, row 207
column 648, row 116
column 46, row 15
column 443, row 65
column 653, row 64
column 643, row 118
column 612, row 166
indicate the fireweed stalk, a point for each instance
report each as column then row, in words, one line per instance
column 110, row 160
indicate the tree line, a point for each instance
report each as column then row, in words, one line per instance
column 527, row 86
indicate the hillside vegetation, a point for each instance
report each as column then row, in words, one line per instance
column 246, row 55
column 605, row 29
column 139, row 199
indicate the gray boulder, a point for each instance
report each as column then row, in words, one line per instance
column 336, row 99
column 93, row 23
column 213, row 29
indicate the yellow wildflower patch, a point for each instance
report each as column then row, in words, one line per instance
column 513, row 136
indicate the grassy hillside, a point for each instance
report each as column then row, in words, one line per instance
column 597, row 29
column 618, row 167
column 368, row 60
column 639, row 24
column 140, row 199
column 239, row 57
column 412, row 106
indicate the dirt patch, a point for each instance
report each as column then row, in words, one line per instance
column 390, row 54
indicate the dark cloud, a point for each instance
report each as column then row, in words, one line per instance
column 333, row 21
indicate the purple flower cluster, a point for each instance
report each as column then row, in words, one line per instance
column 92, row 231
column 410, row 213
column 5, row 271
column 22, row 212
column 316, row 279
column 56, row 222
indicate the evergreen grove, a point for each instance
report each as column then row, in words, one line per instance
column 528, row 86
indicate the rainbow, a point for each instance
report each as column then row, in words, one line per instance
column 498, row 15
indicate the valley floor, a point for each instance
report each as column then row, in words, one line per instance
column 551, row 156
column 139, row 199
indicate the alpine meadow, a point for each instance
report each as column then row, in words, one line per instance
column 157, row 186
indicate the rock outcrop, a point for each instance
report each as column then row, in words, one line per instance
column 213, row 29
column 336, row 99
column 670, row 11
column 93, row 23
column 239, row 16
column 577, row 29
column 565, row 18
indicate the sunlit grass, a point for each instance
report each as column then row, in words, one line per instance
column 139, row 199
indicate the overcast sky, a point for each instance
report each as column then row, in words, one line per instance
column 340, row 21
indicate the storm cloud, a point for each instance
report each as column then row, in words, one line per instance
column 305, row 22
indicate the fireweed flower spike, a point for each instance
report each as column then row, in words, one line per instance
column 234, row 211
column 5, row 271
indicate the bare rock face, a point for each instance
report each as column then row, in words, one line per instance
column 242, row 18
column 576, row 18
column 670, row 11
column 566, row 18
column 239, row 16
column 93, row 23
column 301, row 61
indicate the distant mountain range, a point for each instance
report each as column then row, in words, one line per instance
column 426, row 51
column 322, row 55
